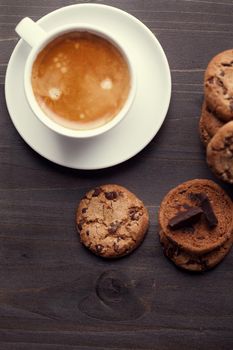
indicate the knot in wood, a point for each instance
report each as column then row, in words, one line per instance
column 110, row 288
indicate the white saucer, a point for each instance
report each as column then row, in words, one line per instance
column 144, row 118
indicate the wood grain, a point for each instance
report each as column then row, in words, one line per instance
column 54, row 294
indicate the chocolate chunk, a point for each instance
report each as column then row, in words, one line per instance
column 135, row 217
column 204, row 203
column 134, row 213
column 195, row 197
column 219, row 82
column 211, row 80
column 132, row 210
column 97, row 192
column 113, row 228
column 87, row 232
column 208, row 210
column 200, row 196
column 198, row 261
column 184, row 218
column 110, row 195
column 226, row 64
column 84, row 210
column 99, row 248
column 172, row 251
column 80, row 224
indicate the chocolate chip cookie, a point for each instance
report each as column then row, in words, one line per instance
column 220, row 153
column 192, row 262
column 218, row 85
column 111, row 221
column 209, row 124
column 196, row 216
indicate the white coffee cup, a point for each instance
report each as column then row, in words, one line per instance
column 37, row 38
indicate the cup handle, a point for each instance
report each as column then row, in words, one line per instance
column 30, row 31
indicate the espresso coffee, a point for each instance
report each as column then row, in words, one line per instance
column 81, row 80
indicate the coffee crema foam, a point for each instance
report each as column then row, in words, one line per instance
column 80, row 80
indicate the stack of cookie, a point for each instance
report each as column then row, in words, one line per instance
column 196, row 225
column 216, row 122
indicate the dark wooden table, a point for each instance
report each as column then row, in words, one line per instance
column 54, row 294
